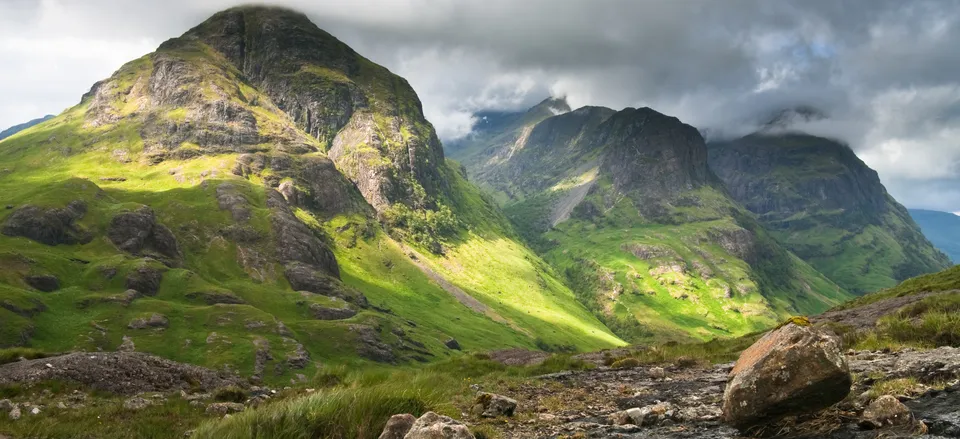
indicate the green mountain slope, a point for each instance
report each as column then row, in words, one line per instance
column 824, row 204
column 20, row 127
column 624, row 205
column 256, row 196
column 941, row 228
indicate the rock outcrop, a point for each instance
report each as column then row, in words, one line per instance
column 117, row 372
column 43, row 282
column 791, row 370
column 53, row 226
column 139, row 234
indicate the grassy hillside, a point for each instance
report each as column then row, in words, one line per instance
column 622, row 206
column 241, row 193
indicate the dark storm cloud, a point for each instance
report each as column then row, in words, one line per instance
column 886, row 71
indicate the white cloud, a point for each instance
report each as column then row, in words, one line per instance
column 887, row 71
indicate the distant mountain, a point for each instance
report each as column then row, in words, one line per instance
column 942, row 229
column 624, row 204
column 17, row 128
column 827, row 206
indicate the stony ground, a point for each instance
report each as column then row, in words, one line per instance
column 685, row 401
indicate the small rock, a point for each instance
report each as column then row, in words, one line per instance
column 452, row 344
column 434, row 426
column 490, row 405
column 136, row 403
column 658, row 373
column 547, row 417
column 61, row 406
column 5, row 405
column 35, row 411
column 398, row 426
column 223, row 408
column 154, row 321
column 15, row 413
column 886, row 411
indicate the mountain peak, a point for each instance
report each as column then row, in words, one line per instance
column 554, row 105
column 787, row 117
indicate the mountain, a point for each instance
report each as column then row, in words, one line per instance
column 256, row 196
column 624, row 204
column 941, row 228
column 17, row 128
column 822, row 202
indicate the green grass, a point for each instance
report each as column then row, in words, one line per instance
column 704, row 292
column 946, row 280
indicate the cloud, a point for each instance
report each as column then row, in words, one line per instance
column 886, row 71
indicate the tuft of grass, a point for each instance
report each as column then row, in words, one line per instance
column 355, row 411
column 929, row 323
column 11, row 355
column 684, row 354
column 626, row 363
column 230, row 394
column 896, row 387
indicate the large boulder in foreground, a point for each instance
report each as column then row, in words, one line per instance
column 792, row 370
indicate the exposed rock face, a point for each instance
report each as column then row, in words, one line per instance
column 138, row 233
column 398, row 426
column 48, row 226
column 376, row 134
column 296, row 242
column 43, row 282
column 802, row 186
column 124, row 373
column 304, row 278
column 370, row 346
column 145, row 280
column 325, row 313
column 791, row 370
column 637, row 138
column 434, row 426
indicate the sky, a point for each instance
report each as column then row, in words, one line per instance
column 887, row 72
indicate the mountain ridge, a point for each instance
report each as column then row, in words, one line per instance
column 582, row 184
column 20, row 127
column 827, row 206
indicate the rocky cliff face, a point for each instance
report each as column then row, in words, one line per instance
column 624, row 203
column 826, row 205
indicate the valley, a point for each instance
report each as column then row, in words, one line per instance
column 254, row 231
